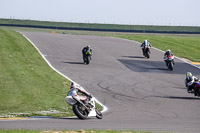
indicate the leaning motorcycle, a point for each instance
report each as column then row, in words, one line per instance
column 82, row 106
column 87, row 57
column 147, row 52
column 196, row 89
column 169, row 62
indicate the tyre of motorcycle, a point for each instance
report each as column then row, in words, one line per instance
column 84, row 59
column 80, row 111
column 146, row 53
column 197, row 91
column 99, row 114
column 87, row 60
column 170, row 65
column 197, row 94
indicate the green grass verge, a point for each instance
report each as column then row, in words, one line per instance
column 27, row 83
column 182, row 46
column 19, row 131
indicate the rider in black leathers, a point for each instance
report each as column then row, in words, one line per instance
column 168, row 53
column 85, row 49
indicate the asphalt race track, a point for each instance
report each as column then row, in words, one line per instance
column 140, row 93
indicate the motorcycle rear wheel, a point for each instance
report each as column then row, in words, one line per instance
column 80, row 111
column 88, row 60
column 197, row 93
column 147, row 55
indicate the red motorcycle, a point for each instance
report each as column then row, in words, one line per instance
column 169, row 60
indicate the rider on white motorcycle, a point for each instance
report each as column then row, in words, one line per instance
column 145, row 45
column 79, row 90
column 82, row 102
column 189, row 81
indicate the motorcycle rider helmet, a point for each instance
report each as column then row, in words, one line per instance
column 88, row 46
column 145, row 42
column 189, row 75
column 72, row 85
column 168, row 50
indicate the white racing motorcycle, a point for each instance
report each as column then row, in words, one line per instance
column 83, row 106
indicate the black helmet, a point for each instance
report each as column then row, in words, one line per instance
column 72, row 85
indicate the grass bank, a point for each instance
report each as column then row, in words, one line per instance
column 27, row 83
column 182, row 46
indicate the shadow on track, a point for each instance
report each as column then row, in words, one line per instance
column 148, row 66
column 145, row 66
column 163, row 69
column 75, row 118
column 182, row 88
column 50, row 117
column 68, row 118
column 138, row 57
column 176, row 97
column 74, row 62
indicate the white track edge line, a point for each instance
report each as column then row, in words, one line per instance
column 104, row 107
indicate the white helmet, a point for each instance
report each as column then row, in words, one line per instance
column 145, row 42
column 168, row 50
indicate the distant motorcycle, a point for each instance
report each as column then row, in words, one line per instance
column 87, row 57
column 169, row 61
column 147, row 52
column 83, row 106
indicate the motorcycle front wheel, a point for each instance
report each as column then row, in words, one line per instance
column 99, row 114
column 87, row 60
column 170, row 66
column 147, row 55
column 80, row 111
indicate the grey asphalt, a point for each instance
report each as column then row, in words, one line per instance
column 141, row 94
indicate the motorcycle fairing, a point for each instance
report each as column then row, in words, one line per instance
column 70, row 100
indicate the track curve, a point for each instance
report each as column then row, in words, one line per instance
column 140, row 93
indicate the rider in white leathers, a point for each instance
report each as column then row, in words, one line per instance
column 78, row 89
column 144, row 45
